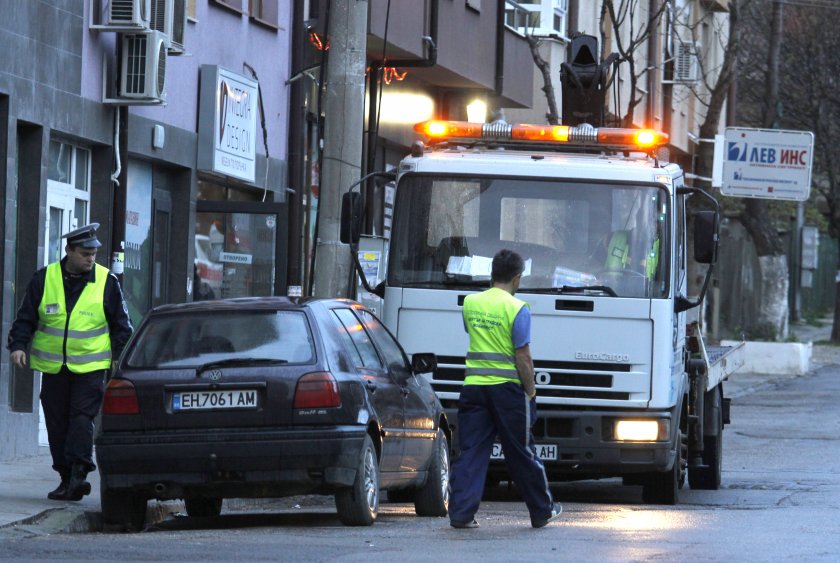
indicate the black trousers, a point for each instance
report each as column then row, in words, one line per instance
column 71, row 402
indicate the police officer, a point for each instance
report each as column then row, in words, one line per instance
column 74, row 320
column 498, row 399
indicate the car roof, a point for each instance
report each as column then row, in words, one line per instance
column 251, row 303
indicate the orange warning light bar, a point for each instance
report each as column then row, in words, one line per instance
column 628, row 139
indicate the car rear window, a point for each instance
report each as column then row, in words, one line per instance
column 179, row 341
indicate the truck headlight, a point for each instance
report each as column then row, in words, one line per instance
column 641, row 430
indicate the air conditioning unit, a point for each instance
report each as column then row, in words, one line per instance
column 122, row 15
column 170, row 18
column 143, row 66
column 685, row 64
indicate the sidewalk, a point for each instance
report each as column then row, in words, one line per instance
column 24, row 483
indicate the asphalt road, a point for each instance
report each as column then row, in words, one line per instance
column 780, row 501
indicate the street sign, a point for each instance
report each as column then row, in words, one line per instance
column 767, row 163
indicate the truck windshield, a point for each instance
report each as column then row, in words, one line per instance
column 574, row 236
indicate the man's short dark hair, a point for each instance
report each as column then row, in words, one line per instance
column 507, row 264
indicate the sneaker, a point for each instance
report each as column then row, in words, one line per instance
column 469, row 525
column 556, row 511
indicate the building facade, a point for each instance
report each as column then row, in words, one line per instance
column 166, row 122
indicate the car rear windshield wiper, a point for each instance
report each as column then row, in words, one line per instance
column 572, row 289
column 241, row 362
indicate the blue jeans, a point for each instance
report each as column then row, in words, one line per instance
column 484, row 412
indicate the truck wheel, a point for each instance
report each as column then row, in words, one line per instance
column 123, row 508
column 432, row 498
column 708, row 478
column 663, row 488
column 358, row 504
column 200, row 507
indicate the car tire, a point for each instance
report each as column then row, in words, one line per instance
column 358, row 505
column 201, row 507
column 432, row 499
column 123, row 508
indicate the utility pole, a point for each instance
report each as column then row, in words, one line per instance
column 342, row 137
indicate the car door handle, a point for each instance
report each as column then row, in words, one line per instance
column 404, row 391
column 371, row 386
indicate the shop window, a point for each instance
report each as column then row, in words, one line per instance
column 264, row 12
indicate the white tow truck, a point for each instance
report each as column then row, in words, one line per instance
column 626, row 386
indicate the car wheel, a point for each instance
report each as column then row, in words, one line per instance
column 200, row 507
column 123, row 508
column 432, row 498
column 358, row 504
column 708, row 478
column 663, row 488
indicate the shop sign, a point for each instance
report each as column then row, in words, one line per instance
column 767, row 163
column 228, row 123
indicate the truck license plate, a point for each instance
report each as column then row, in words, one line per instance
column 213, row 400
column 546, row 452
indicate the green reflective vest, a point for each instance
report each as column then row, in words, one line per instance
column 83, row 341
column 489, row 318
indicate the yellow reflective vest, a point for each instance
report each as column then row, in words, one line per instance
column 488, row 317
column 81, row 341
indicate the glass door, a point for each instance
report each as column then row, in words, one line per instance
column 240, row 249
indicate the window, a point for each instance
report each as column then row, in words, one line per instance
column 264, row 11
column 394, row 356
column 235, row 5
column 191, row 14
column 68, row 175
column 359, row 343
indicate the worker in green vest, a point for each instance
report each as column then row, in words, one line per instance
column 498, row 399
column 74, row 321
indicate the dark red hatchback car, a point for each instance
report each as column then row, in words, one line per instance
column 270, row 397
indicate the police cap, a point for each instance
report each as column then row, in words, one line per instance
column 84, row 236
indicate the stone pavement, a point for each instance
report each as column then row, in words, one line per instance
column 24, row 483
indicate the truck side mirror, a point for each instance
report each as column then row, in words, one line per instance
column 706, row 236
column 351, row 218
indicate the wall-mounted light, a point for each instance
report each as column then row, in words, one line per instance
column 405, row 107
column 477, row 111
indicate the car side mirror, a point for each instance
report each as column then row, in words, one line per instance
column 423, row 362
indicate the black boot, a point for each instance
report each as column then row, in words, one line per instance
column 60, row 492
column 77, row 487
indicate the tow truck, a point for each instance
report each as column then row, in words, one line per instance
column 626, row 385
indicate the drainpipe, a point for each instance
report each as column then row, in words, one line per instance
column 500, row 47
column 297, row 149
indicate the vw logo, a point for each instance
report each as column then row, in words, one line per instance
column 215, row 374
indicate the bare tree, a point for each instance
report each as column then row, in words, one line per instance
column 621, row 23
column 812, row 102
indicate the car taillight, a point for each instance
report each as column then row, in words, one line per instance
column 317, row 390
column 120, row 398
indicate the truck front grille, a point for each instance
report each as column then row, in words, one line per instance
column 564, row 379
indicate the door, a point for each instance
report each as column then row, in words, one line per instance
column 161, row 244
column 68, row 207
column 418, row 400
column 240, row 249
column 384, row 392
